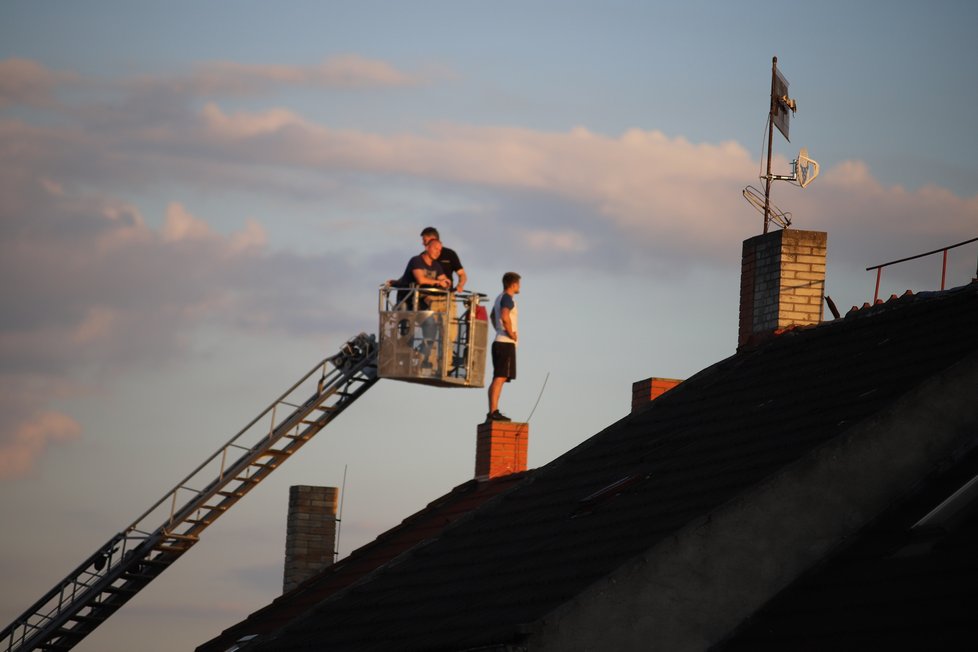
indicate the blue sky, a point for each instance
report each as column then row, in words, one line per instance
column 199, row 200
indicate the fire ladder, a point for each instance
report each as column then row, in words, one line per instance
column 131, row 559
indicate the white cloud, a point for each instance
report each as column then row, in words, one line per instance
column 21, row 448
column 181, row 225
column 27, row 83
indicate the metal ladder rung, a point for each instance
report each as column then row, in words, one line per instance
column 298, row 437
column 86, row 619
column 200, row 521
column 181, row 537
column 120, row 590
column 226, row 494
column 275, row 452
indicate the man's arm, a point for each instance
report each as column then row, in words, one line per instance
column 462, row 280
column 420, row 278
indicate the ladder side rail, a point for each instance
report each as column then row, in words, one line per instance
column 56, row 594
column 116, row 566
column 302, row 437
column 55, row 619
column 227, row 473
column 264, row 446
column 143, row 553
column 220, row 451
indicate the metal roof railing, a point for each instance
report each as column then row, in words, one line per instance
column 944, row 250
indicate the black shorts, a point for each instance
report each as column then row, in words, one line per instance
column 504, row 360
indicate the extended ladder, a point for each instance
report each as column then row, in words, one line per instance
column 131, row 559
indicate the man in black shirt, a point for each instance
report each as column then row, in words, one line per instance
column 448, row 259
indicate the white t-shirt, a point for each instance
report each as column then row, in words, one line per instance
column 504, row 300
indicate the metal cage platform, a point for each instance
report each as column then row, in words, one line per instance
column 432, row 337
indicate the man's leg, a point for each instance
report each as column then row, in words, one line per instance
column 495, row 389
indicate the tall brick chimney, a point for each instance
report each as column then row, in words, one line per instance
column 500, row 448
column 782, row 282
column 310, row 540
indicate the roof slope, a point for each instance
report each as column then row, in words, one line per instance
column 421, row 526
column 642, row 479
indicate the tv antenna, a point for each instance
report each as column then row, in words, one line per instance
column 804, row 169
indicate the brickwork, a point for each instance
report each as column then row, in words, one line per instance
column 310, row 541
column 500, row 448
column 782, row 282
column 646, row 391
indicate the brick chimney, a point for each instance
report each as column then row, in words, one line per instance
column 500, row 448
column 310, row 540
column 646, row 391
column 782, row 282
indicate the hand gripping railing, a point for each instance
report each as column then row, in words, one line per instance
column 131, row 559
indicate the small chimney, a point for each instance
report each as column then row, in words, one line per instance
column 500, row 448
column 782, row 281
column 646, row 391
column 310, row 540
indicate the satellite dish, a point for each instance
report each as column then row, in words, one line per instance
column 755, row 198
column 805, row 168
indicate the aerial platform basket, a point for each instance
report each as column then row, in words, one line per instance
column 443, row 344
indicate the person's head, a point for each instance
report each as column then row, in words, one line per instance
column 430, row 233
column 433, row 248
column 511, row 280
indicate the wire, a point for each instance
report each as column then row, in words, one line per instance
column 539, row 396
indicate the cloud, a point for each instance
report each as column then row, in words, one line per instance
column 93, row 291
column 27, row 83
column 93, row 288
column 224, row 79
column 29, row 439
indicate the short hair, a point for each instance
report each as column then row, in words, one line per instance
column 430, row 230
column 510, row 278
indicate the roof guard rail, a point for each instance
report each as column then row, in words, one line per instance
column 879, row 268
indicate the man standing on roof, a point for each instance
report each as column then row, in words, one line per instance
column 448, row 259
column 504, row 320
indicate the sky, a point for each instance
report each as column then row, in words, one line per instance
column 198, row 202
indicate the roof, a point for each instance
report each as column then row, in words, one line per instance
column 492, row 578
column 421, row 526
column 893, row 586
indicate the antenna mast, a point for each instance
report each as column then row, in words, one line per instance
column 770, row 139
column 804, row 169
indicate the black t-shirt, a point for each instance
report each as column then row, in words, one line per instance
column 450, row 263
column 432, row 271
